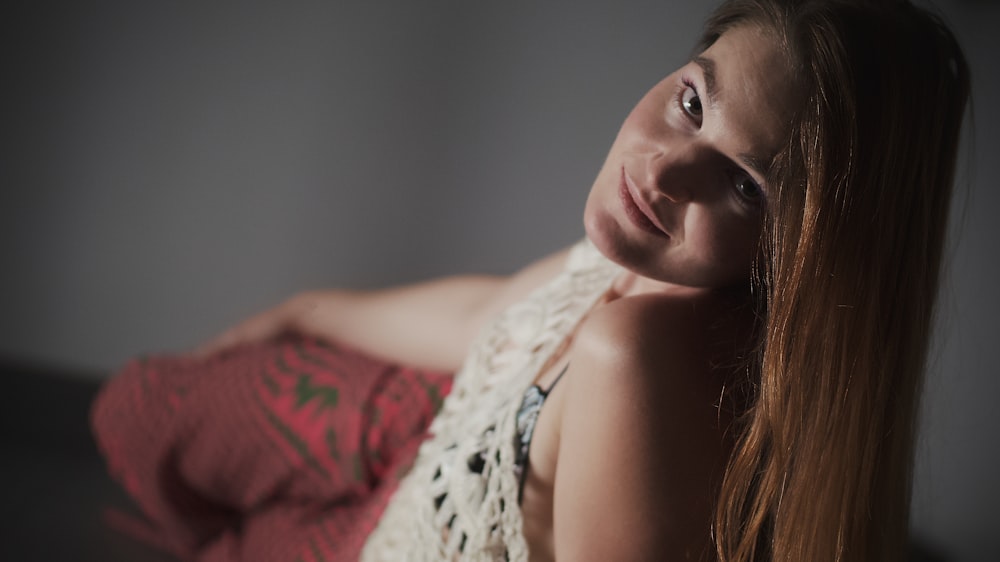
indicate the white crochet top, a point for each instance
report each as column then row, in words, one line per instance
column 459, row 502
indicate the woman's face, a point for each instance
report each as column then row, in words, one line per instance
column 681, row 196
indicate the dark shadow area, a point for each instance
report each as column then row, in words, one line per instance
column 56, row 489
column 921, row 552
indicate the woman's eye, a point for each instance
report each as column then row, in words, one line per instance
column 691, row 102
column 748, row 189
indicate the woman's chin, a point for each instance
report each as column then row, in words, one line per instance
column 644, row 257
column 615, row 243
column 604, row 233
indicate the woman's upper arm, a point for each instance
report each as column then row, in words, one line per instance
column 640, row 449
column 429, row 324
column 516, row 287
column 463, row 305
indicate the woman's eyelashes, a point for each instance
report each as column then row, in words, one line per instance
column 748, row 191
column 690, row 102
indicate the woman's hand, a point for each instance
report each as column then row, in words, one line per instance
column 289, row 317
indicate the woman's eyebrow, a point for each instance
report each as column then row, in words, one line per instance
column 756, row 164
column 707, row 66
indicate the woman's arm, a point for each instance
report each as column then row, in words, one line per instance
column 641, row 444
column 428, row 325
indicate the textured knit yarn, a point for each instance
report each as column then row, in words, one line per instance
column 459, row 502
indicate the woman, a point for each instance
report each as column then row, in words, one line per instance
column 727, row 368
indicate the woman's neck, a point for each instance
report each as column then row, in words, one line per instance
column 630, row 284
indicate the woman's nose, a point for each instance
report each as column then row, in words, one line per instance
column 675, row 173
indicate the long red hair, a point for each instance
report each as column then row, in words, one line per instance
column 858, row 207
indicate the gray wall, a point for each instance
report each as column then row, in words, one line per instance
column 169, row 167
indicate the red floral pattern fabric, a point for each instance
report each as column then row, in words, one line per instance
column 286, row 450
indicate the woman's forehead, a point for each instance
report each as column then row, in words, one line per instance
column 750, row 88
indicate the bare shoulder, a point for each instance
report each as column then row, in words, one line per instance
column 672, row 354
column 650, row 329
column 642, row 440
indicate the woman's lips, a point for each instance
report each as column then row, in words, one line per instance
column 636, row 209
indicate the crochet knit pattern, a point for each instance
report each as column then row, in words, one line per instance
column 459, row 502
